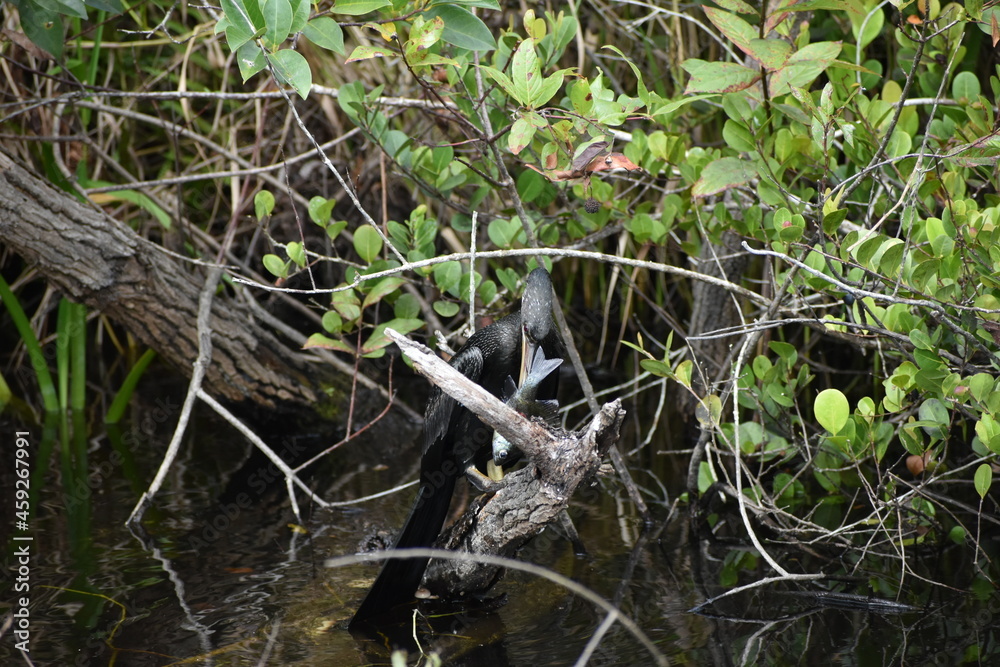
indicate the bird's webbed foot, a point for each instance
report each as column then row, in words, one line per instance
column 484, row 483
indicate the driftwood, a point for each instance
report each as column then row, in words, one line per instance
column 530, row 499
column 100, row 262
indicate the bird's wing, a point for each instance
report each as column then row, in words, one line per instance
column 440, row 410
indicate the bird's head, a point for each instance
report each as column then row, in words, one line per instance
column 536, row 316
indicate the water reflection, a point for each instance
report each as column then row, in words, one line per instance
column 222, row 578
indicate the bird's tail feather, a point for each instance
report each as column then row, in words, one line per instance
column 400, row 578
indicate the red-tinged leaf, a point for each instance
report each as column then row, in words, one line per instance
column 521, row 134
column 326, row 343
column 424, row 35
column 709, row 77
column 558, row 174
column 737, row 6
column 379, row 339
column 721, row 175
column 612, row 161
column 384, row 288
column 774, row 19
column 771, row 53
column 732, row 26
column 803, row 67
column 994, row 29
column 588, row 153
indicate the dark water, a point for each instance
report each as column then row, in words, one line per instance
column 220, row 575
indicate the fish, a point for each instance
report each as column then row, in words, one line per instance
column 524, row 400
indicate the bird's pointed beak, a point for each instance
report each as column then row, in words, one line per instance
column 527, row 355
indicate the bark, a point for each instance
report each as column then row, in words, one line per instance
column 714, row 309
column 499, row 524
column 100, row 262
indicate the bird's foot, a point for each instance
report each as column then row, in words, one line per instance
column 483, row 483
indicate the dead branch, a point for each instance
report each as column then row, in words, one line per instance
column 530, row 499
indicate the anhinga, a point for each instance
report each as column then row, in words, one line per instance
column 455, row 439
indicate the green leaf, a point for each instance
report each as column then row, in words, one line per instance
column 365, row 52
column 357, row 7
column 720, row 175
column 503, row 232
column 406, row 306
column 382, row 289
column 463, row 28
column 367, row 243
column 140, row 199
column 333, row 322
column 872, row 23
column 423, row 35
column 657, row 367
column 278, row 19
column 379, row 339
column 935, row 414
column 684, row 372
column 263, row 204
column 320, row 210
column 716, row 77
column 275, row 265
column 508, row 278
column 831, row 410
column 482, row 4
column 678, row 103
column 347, row 304
column 42, row 26
column 447, row 275
column 530, row 184
column 300, row 15
column 250, row 59
column 68, row 7
column 525, row 72
column 501, row 80
column 326, row 33
column 803, row 67
column 112, row 6
column 706, row 477
column 965, row 87
column 334, row 228
column 487, row 291
column 296, row 253
column 640, row 89
column 771, row 53
column 243, row 23
column 446, row 308
column 738, row 137
column 292, row 68
column 921, row 340
column 520, row 135
column 709, row 411
column 983, row 480
column 981, row 386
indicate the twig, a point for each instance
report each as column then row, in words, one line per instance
column 267, row 451
column 194, row 388
column 511, row 564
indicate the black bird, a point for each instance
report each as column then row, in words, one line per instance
column 455, row 440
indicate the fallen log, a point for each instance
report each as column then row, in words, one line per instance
column 101, row 262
